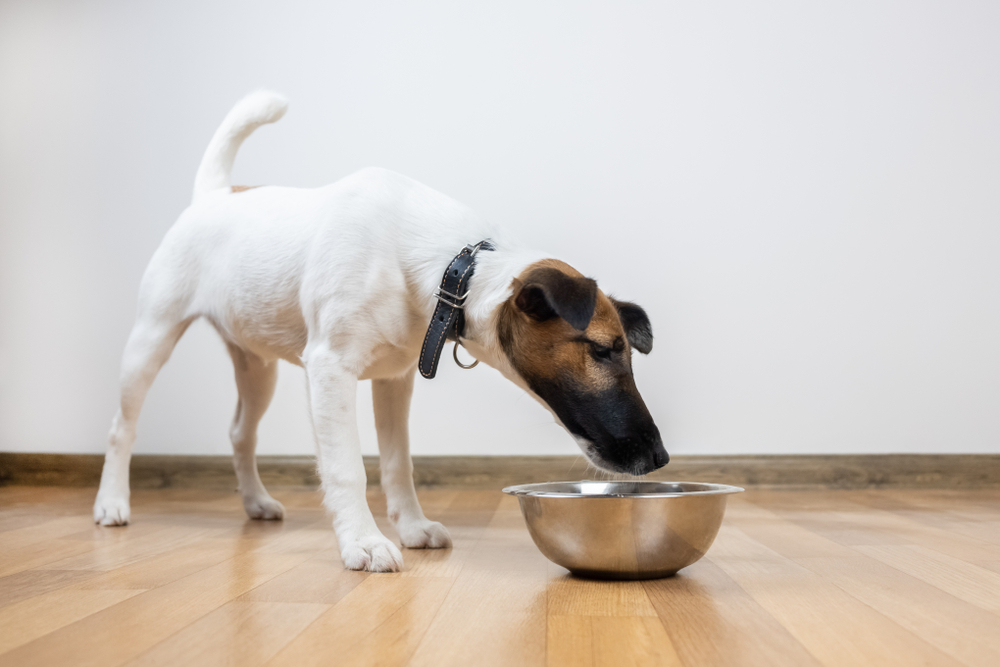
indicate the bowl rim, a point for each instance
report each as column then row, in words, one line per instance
column 539, row 490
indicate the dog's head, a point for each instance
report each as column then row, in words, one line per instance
column 572, row 346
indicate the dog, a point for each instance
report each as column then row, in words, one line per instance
column 343, row 280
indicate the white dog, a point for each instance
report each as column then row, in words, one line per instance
column 343, row 280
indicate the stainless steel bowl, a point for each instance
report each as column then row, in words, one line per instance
column 623, row 530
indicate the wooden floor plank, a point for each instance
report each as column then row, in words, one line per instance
column 569, row 596
column 803, row 577
column 992, row 566
column 39, row 554
column 240, row 633
column 163, row 568
column 711, row 620
column 29, row 583
column 632, row 641
column 385, row 613
column 963, row 580
column 36, row 617
column 911, row 527
column 120, row 632
column 322, row 580
column 495, row 612
column 111, row 555
column 569, row 641
column 38, row 531
column 504, row 543
column 950, row 624
column 971, row 516
column 834, row 626
column 488, row 618
column 19, row 517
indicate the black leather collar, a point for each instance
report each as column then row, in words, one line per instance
column 448, row 321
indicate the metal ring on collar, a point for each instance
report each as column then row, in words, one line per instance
column 454, row 353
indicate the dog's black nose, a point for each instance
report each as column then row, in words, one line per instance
column 660, row 456
column 655, row 456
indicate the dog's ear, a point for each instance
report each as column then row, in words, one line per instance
column 546, row 293
column 638, row 330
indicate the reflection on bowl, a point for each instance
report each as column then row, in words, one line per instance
column 623, row 530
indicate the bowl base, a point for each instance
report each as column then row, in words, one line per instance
column 622, row 576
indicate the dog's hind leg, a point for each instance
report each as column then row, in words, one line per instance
column 255, row 380
column 391, row 398
column 148, row 348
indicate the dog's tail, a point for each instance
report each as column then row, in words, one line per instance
column 251, row 112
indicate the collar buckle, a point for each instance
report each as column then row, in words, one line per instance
column 457, row 301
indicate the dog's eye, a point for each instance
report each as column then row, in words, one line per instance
column 600, row 351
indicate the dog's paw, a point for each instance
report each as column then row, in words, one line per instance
column 109, row 511
column 373, row 554
column 423, row 534
column 264, row 508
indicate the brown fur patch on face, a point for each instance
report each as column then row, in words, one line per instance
column 554, row 351
column 243, row 188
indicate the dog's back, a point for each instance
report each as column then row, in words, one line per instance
column 263, row 264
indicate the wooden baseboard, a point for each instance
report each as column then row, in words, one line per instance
column 930, row 471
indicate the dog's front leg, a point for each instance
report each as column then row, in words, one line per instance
column 391, row 398
column 333, row 398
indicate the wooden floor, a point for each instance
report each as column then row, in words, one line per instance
column 794, row 578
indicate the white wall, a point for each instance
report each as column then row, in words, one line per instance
column 804, row 198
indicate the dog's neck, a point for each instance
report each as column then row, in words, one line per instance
column 489, row 288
